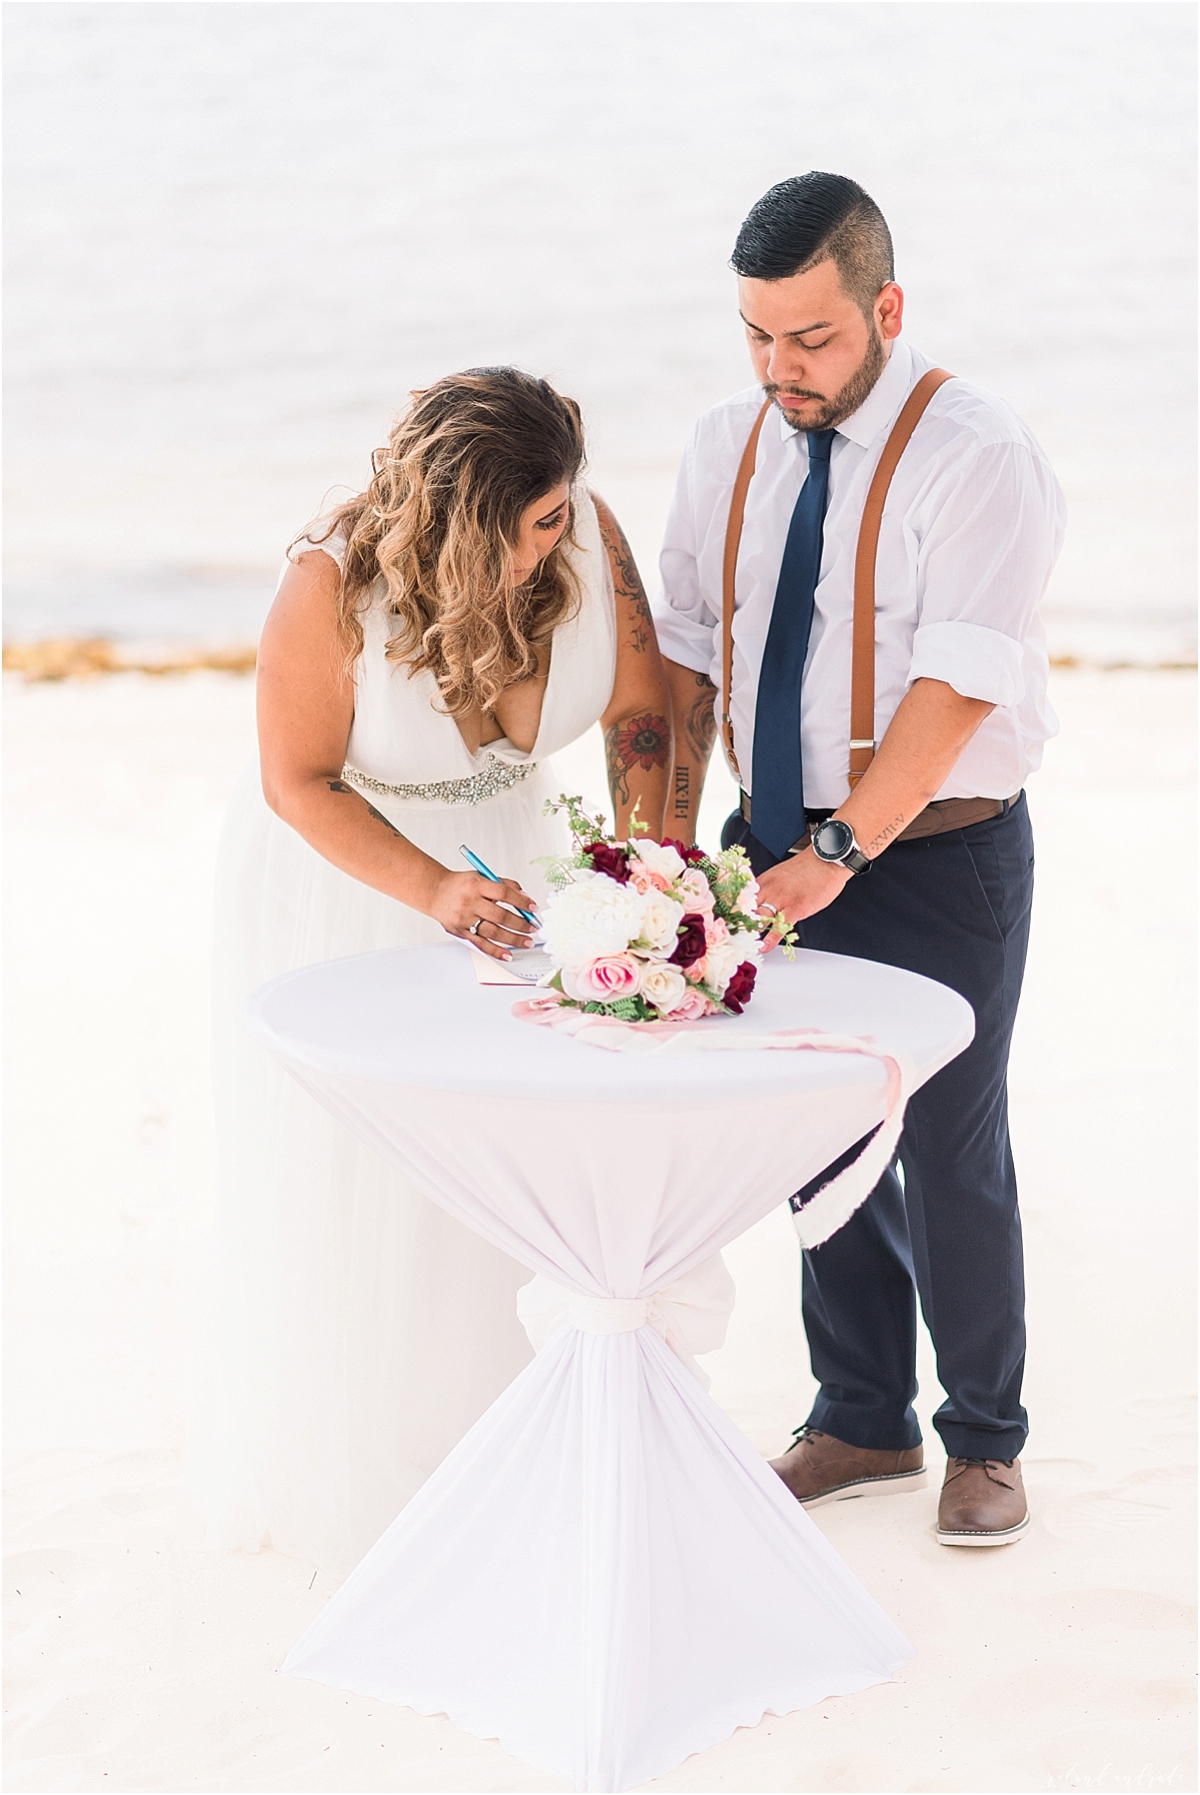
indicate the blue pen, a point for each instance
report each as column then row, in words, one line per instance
column 476, row 865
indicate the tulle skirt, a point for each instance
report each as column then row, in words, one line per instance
column 352, row 1331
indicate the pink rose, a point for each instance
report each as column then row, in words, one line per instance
column 602, row 980
column 716, row 930
column 696, row 892
column 691, row 1007
column 642, row 879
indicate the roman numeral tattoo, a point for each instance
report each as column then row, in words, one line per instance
column 880, row 841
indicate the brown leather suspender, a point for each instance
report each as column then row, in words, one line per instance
column 733, row 541
column 862, row 673
column 862, row 667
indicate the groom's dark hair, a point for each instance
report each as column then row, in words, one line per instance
column 817, row 218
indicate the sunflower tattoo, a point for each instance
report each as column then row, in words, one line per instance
column 638, row 741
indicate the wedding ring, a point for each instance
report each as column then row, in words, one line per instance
column 475, row 926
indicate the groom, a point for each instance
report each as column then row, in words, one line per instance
column 911, row 846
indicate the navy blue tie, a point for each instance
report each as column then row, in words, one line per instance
column 777, row 795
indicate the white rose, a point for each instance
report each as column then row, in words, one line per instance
column 664, row 986
column 720, row 964
column 660, row 920
column 666, row 861
column 591, row 917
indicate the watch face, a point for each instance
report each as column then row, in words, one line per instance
column 833, row 839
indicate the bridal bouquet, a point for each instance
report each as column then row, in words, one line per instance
column 645, row 930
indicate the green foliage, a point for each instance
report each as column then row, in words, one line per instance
column 625, row 1009
column 558, row 869
column 582, row 826
column 788, row 937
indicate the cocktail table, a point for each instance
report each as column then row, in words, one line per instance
column 603, row 1574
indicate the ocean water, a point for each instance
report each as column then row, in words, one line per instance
column 238, row 234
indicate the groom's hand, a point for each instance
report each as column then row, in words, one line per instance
column 800, row 886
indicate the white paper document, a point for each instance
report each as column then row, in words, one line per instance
column 526, row 967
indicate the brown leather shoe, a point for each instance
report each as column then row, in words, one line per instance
column 819, row 1469
column 982, row 1503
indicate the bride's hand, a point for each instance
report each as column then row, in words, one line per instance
column 466, row 904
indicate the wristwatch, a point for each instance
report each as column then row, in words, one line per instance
column 833, row 841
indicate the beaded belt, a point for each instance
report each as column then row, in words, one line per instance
column 497, row 776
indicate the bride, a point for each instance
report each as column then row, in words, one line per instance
column 431, row 643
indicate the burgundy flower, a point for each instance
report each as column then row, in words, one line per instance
column 740, row 987
column 607, row 859
column 693, row 855
column 690, row 946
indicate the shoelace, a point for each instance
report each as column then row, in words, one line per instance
column 806, row 1433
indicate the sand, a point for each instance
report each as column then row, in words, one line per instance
column 137, row 1661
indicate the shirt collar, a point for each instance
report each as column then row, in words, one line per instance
column 881, row 407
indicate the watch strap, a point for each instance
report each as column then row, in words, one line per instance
column 852, row 857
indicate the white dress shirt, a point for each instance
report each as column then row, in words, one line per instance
column 972, row 527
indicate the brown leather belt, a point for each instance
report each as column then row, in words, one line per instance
column 936, row 818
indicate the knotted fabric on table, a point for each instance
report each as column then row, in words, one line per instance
column 691, row 1315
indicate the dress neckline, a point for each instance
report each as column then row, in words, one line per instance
column 500, row 749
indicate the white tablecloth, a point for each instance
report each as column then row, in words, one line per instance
column 603, row 1574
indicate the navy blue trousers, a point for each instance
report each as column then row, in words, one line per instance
column 944, row 1220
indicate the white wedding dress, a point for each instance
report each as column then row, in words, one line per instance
column 355, row 1331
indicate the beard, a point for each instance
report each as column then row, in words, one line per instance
column 846, row 401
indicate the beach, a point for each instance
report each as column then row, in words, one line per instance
column 239, row 236
column 139, row 1661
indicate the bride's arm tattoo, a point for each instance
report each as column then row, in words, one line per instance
column 627, row 581
column 636, row 741
column 339, row 785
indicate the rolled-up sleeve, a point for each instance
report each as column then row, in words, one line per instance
column 994, row 532
column 683, row 621
column 977, row 662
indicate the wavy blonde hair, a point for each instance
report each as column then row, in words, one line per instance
column 438, row 525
